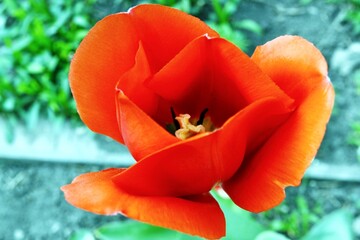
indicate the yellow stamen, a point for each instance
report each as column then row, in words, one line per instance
column 187, row 129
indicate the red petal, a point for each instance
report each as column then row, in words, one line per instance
column 183, row 82
column 196, row 215
column 182, row 169
column 142, row 135
column 236, row 75
column 132, row 84
column 109, row 50
column 260, row 182
column 194, row 166
column 165, row 31
column 250, row 127
column 103, row 56
column 293, row 63
column 214, row 74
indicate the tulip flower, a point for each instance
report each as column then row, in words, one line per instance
column 195, row 112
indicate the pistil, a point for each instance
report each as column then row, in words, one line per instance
column 187, row 129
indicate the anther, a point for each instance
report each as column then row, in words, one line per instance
column 202, row 116
column 175, row 121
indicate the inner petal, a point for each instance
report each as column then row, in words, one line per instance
column 183, row 82
column 212, row 73
column 132, row 84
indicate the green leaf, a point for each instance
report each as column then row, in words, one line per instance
column 336, row 225
column 9, row 104
column 21, row 43
column 305, row 2
column 230, row 7
column 132, row 230
column 82, row 234
column 270, row 235
column 81, row 21
column 60, row 22
column 221, row 14
column 249, row 25
column 239, row 223
column 226, row 31
column 35, row 67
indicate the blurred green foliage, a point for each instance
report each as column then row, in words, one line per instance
column 352, row 13
column 293, row 221
column 220, row 15
column 194, row 7
column 39, row 38
column 354, row 138
column 223, row 21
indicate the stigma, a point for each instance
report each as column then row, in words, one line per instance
column 187, row 129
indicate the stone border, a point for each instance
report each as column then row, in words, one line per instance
column 322, row 171
column 62, row 143
column 65, row 144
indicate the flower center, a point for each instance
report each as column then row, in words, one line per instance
column 187, row 129
column 184, row 126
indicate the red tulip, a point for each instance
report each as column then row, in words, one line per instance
column 195, row 112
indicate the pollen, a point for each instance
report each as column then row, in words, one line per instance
column 187, row 129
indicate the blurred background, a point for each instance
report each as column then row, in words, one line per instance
column 44, row 145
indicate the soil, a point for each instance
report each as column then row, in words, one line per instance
column 32, row 206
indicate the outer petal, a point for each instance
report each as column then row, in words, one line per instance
column 182, row 169
column 213, row 73
column 196, row 215
column 165, row 31
column 293, row 63
column 103, row 56
column 194, row 166
column 255, row 125
column 142, row 135
column 109, row 50
column 260, row 182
